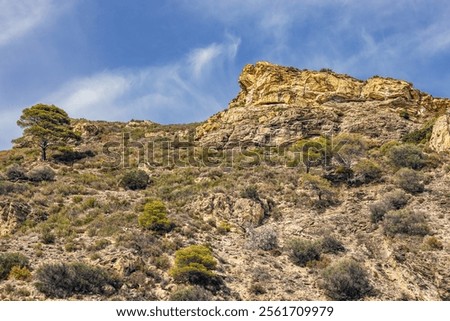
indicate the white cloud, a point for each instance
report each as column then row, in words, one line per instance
column 188, row 90
column 19, row 17
column 88, row 95
column 202, row 57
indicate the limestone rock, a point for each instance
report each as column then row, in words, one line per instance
column 87, row 129
column 440, row 137
column 278, row 105
column 12, row 215
column 241, row 210
column 249, row 211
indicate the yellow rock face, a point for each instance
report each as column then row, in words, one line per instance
column 440, row 137
column 283, row 104
column 264, row 83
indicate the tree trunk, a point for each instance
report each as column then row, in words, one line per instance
column 44, row 144
column 44, row 153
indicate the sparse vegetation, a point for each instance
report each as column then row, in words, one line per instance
column 432, row 243
column 330, row 244
column 321, row 187
column 303, row 251
column 62, row 280
column 135, row 180
column 286, row 213
column 409, row 180
column 16, row 173
column 393, row 200
column 41, row 173
column 348, row 148
column 367, row 171
column 406, row 155
column 10, row 260
column 20, row 273
column 346, row 280
column 421, row 135
column 250, row 192
column 313, row 152
column 406, row 221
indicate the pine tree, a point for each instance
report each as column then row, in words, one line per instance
column 47, row 125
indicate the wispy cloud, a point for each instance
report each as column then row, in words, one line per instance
column 201, row 58
column 19, row 17
column 92, row 94
column 187, row 90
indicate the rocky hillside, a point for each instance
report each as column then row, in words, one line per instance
column 311, row 185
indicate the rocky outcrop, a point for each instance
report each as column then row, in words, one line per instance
column 12, row 215
column 243, row 211
column 279, row 105
column 440, row 137
column 87, row 129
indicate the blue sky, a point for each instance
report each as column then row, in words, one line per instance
column 178, row 61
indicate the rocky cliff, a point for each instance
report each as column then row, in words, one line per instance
column 278, row 105
column 440, row 138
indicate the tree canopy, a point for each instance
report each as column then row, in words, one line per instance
column 47, row 125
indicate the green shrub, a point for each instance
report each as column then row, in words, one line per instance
column 330, row 244
column 194, row 264
column 405, row 221
column 41, row 173
column 47, row 236
column 346, row 280
column 20, row 273
column 432, row 243
column 420, row 136
column 68, row 156
column 224, row 227
column 406, row 155
column 154, row 217
column 61, row 280
column 393, row 200
column 367, row 171
column 10, row 260
column 349, row 147
column 15, row 173
column 162, row 262
column 313, row 152
column 250, row 192
column 303, row 251
column 90, row 202
column 378, row 210
column 340, row 174
column 409, row 180
column 135, row 180
column 191, row 293
column 8, row 188
column 386, row 147
column 99, row 245
column 321, row 187
column 397, row 199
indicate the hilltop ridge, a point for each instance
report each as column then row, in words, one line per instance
column 278, row 105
